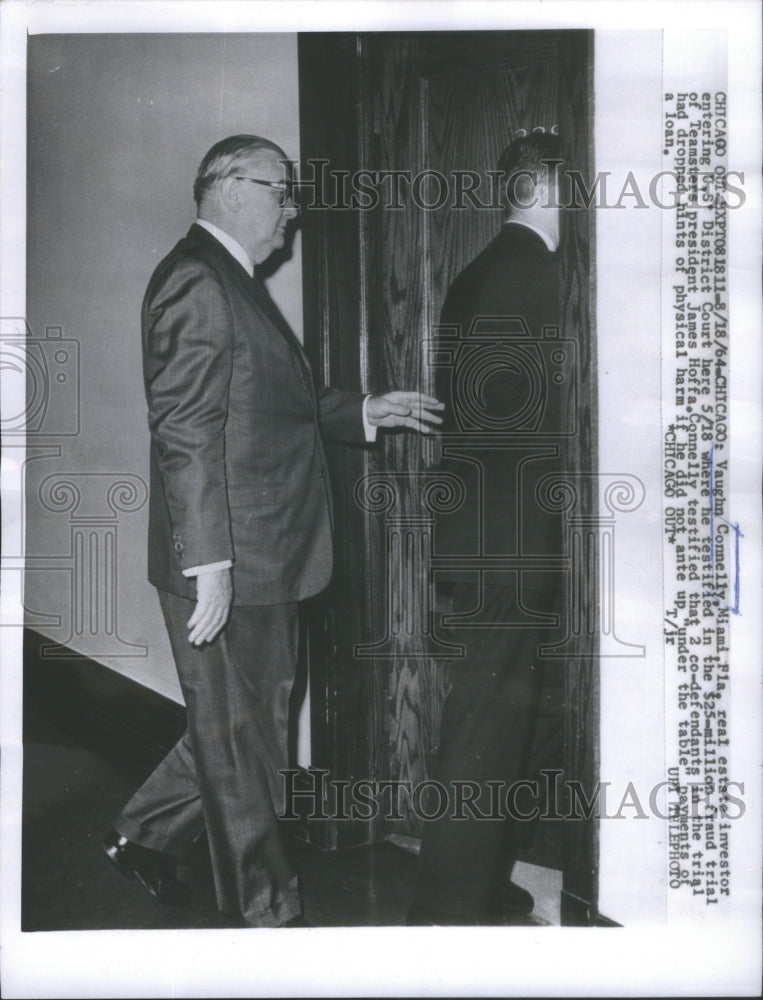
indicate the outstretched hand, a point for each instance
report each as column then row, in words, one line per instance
column 401, row 408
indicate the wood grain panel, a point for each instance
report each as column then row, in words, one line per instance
column 432, row 114
column 578, row 287
column 348, row 700
column 398, row 303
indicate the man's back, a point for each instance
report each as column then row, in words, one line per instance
column 504, row 405
column 516, row 274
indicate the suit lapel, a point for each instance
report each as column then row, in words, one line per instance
column 268, row 306
column 257, row 292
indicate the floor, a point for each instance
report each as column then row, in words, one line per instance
column 70, row 793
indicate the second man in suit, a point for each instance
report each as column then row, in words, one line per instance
column 505, row 417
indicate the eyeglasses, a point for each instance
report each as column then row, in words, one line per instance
column 285, row 188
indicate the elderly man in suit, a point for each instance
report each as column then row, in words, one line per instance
column 500, row 721
column 239, row 533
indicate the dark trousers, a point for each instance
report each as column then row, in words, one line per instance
column 223, row 774
column 491, row 723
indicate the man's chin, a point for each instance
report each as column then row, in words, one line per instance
column 275, row 242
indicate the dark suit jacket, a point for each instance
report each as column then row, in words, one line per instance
column 238, row 469
column 504, row 401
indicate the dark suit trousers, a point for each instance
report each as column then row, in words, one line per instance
column 490, row 724
column 222, row 774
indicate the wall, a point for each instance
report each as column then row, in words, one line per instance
column 117, row 125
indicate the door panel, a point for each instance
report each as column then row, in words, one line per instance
column 432, row 112
column 375, row 281
column 581, row 743
column 471, row 118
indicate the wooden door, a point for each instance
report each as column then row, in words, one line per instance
column 411, row 108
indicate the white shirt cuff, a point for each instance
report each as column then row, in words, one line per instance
column 207, row 568
column 369, row 429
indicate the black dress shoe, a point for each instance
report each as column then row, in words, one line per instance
column 154, row 870
column 515, row 899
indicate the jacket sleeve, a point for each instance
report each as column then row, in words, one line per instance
column 342, row 415
column 187, row 359
column 451, row 317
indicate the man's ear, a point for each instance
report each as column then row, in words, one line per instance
column 230, row 194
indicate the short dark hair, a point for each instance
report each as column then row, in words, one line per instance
column 226, row 157
column 524, row 163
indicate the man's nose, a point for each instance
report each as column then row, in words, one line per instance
column 290, row 210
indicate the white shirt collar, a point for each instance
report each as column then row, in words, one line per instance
column 233, row 247
column 527, row 225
